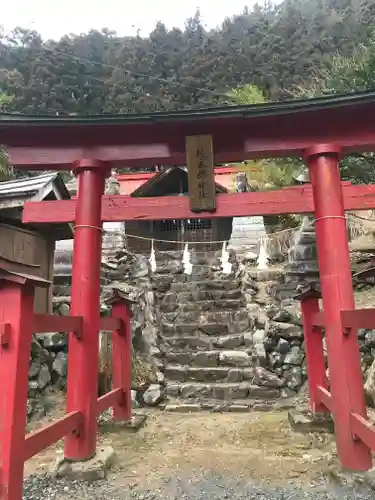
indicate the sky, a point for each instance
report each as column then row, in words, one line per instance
column 52, row 18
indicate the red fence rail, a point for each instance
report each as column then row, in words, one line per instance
column 321, row 399
column 17, row 324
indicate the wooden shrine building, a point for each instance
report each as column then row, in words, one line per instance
column 174, row 182
column 30, row 248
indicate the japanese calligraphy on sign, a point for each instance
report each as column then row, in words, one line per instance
column 200, row 163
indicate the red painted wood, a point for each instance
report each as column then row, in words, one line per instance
column 318, row 319
column 37, row 441
column 44, row 323
column 84, row 353
column 363, row 430
column 141, row 176
column 17, row 309
column 108, row 400
column 122, row 361
column 337, row 295
column 162, row 142
column 324, row 397
column 358, row 318
column 121, row 208
column 5, row 333
column 108, row 323
column 316, row 371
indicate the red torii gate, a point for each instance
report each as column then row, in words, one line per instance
column 320, row 130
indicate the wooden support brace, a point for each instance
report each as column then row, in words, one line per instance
column 316, row 371
column 122, row 360
column 324, row 397
column 363, row 430
column 50, row 434
column 16, row 316
column 5, row 333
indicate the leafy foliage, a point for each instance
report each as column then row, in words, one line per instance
column 269, row 52
column 273, row 48
column 266, row 174
column 248, row 94
column 344, row 74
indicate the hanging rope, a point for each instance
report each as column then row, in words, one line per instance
column 283, row 239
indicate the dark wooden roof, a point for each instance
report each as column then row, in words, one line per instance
column 14, row 193
column 172, row 181
column 30, row 187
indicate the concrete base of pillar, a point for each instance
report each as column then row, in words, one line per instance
column 90, row 470
column 365, row 480
column 306, row 423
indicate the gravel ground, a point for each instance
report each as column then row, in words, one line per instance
column 208, row 487
column 206, row 457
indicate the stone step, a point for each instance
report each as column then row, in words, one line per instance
column 234, row 406
column 239, row 324
column 199, row 359
column 266, row 275
column 232, row 366
column 181, row 343
column 181, row 328
column 208, row 285
column 223, row 391
column 210, row 315
column 179, row 373
column 197, row 294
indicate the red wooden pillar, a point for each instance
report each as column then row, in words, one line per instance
column 337, row 294
column 16, row 320
column 84, row 351
column 316, row 372
column 122, row 360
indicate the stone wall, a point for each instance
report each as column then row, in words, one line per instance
column 49, row 355
column 225, row 342
column 202, row 341
column 208, row 340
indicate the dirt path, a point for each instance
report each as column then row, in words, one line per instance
column 258, row 446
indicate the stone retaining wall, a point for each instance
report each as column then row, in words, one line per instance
column 201, row 341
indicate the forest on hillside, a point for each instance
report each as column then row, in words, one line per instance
column 298, row 48
column 285, row 50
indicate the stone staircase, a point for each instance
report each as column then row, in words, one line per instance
column 206, row 339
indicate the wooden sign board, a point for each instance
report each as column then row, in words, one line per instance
column 201, row 174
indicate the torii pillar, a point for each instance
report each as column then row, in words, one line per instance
column 337, row 293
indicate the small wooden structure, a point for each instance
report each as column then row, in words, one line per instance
column 174, row 182
column 30, row 248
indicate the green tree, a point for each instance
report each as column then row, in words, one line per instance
column 5, row 101
column 271, row 47
column 4, row 167
column 264, row 174
column 267, row 174
column 248, row 94
column 345, row 74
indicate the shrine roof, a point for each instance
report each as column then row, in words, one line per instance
column 15, row 193
column 173, row 181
